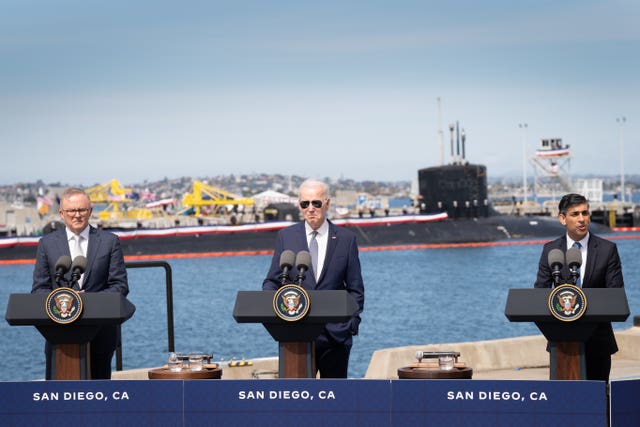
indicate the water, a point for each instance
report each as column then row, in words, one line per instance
column 412, row 297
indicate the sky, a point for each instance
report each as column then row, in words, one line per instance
column 152, row 89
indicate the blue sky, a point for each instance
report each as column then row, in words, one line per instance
column 94, row 90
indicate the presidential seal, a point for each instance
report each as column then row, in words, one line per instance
column 64, row 305
column 291, row 303
column 567, row 302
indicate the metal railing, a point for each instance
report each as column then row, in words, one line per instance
column 169, row 296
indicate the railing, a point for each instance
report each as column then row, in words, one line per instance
column 169, row 296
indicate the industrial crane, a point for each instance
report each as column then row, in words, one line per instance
column 207, row 195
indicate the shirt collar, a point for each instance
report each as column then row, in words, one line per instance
column 324, row 228
column 84, row 233
column 583, row 243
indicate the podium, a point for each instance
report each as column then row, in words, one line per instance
column 295, row 339
column 70, row 342
column 566, row 339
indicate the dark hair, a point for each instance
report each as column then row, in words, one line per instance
column 570, row 200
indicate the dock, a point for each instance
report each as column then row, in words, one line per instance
column 520, row 358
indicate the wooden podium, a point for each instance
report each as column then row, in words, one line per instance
column 296, row 339
column 566, row 339
column 70, row 342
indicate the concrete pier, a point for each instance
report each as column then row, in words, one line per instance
column 521, row 358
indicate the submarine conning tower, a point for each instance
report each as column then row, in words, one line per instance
column 458, row 189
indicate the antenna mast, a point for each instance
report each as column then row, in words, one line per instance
column 440, row 135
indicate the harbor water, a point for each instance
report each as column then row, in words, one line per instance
column 413, row 297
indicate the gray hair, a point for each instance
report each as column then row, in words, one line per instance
column 73, row 191
column 312, row 182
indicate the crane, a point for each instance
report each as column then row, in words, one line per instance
column 114, row 195
column 206, row 195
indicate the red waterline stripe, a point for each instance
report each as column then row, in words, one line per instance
column 362, row 249
column 196, row 255
column 17, row 261
column 449, row 245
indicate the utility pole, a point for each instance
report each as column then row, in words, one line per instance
column 523, row 126
column 621, row 121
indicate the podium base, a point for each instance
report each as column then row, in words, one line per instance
column 70, row 362
column 296, row 360
column 567, row 361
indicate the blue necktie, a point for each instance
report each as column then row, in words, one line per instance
column 313, row 251
column 578, row 246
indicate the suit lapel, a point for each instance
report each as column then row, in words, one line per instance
column 332, row 242
column 592, row 257
column 92, row 250
column 562, row 245
column 62, row 244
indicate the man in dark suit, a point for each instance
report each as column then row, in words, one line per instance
column 105, row 270
column 338, row 267
column 601, row 268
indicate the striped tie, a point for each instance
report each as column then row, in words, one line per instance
column 577, row 246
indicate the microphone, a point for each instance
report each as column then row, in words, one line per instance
column 556, row 262
column 62, row 266
column 303, row 260
column 287, row 259
column 574, row 261
column 78, row 266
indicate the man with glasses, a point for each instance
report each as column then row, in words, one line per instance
column 105, row 270
column 335, row 266
column 601, row 268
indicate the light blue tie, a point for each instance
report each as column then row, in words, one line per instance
column 313, row 251
column 578, row 246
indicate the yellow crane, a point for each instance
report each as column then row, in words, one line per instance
column 114, row 195
column 207, row 195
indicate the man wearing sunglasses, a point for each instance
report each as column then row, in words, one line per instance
column 105, row 270
column 338, row 267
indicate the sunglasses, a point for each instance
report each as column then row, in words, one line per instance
column 304, row 204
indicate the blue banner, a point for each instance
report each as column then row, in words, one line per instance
column 309, row 403
column 498, row 403
column 96, row 403
column 625, row 410
column 304, row 402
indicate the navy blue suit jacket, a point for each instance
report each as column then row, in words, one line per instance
column 105, row 271
column 603, row 270
column 341, row 270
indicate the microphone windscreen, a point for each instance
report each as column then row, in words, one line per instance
column 574, row 257
column 63, row 263
column 555, row 258
column 79, row 264
column 287, row 258
column 303, row 260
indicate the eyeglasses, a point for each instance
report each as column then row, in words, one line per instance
column 81, row 211
column 304, row 204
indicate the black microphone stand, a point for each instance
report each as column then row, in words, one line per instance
column 64, row 283
column 557, row 277
column 301, row 275
column 284, row 276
